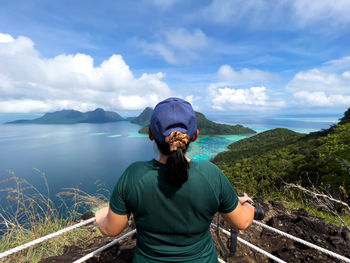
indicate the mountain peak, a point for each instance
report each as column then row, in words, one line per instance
column 99, row 110
column 72, row 116
column 145, row 117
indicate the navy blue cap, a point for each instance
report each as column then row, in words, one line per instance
column 173, row 114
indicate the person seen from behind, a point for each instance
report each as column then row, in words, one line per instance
column 173, row 199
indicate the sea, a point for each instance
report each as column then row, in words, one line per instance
column 91, row 157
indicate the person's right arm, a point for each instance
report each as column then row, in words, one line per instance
column 242, row 216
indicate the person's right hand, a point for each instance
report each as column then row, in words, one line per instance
column 243, row 199
column 242, row 216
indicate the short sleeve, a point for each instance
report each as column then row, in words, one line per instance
column 228, row 196
column 117, row 203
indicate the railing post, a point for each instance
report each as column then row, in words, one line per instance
column 233, row 247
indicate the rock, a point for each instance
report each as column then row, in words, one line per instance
column 346, row 235
column 277, row 206
column 301, row 212
column 335, row 240
column 70, row 254
column 87, row 215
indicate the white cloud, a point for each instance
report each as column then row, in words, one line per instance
column 319, row 98
column 29, row 105
column 252, row 96
column 178, row 45
column 192, row 99
column 333, row 11
column 244, row 76
column 242, row 89
column 181, row 38
column 223, row 11
column 162, row 50
column 29, row 83
column 6, row 38
column 225, row 98
column 262, row 13
column 328, row 85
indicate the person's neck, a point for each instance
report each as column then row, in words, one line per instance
column 163, row 158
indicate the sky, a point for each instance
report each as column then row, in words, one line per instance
column 224, row 56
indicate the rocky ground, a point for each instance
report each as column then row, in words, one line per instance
column 297, row 222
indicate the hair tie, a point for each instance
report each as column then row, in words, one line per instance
column 177, row 139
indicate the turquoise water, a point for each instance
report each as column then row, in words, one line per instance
column 114, row 136
column 206, row 147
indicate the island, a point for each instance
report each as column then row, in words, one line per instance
column 99, row 115
column 72, row 116
column 144, row 118
column 205, row 126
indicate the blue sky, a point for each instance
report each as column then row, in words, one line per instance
column 225, row 56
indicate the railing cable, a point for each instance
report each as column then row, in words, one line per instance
column 99, row 250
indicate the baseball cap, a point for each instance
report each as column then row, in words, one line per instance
column 173, row 114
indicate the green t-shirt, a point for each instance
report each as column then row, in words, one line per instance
column 173, row 223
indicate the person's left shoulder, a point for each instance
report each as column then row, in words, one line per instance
column 139, row 166
column 206, row 165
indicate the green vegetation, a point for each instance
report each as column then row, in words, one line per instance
column 262, row 164
column 144, row 118
column 258, row 144
column 73, row 116
column 144, row 130
column 52, row 247
column 207, row 127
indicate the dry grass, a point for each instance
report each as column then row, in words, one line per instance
column 28, row 214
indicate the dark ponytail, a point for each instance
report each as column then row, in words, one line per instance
column 177, row 164
column 177, row 167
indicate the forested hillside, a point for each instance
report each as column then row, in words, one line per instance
column 205, row 126
column 261, row 164
column 144, row 117
column 72, row 116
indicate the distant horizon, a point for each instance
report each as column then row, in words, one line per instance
column 135, row 113
column 218, row 115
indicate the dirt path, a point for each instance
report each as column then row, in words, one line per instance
column 297, row 222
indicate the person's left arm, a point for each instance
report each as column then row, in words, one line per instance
column 110, row 223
